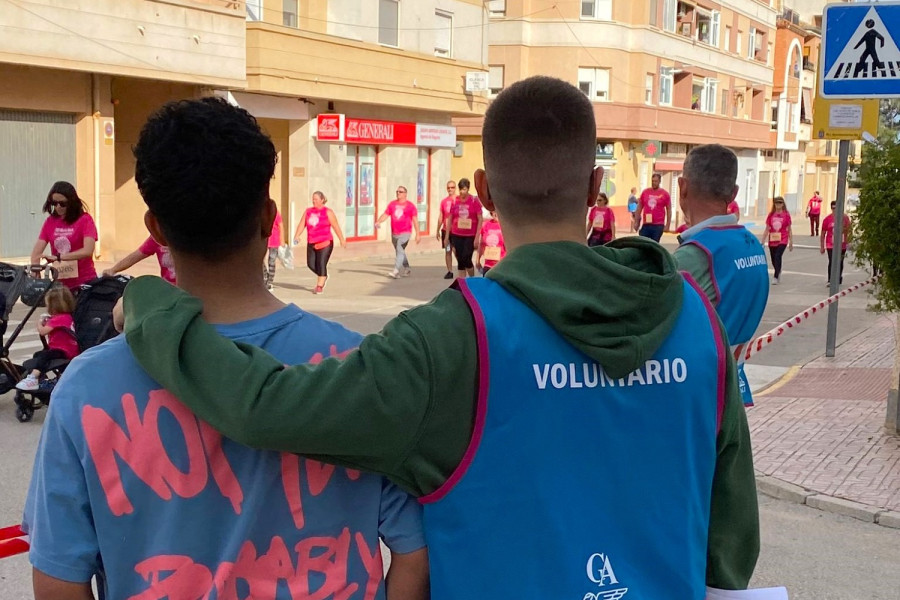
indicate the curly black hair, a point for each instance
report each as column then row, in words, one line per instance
column 203, row 168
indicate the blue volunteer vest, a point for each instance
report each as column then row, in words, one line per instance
column 740, row 274
column 577, row 485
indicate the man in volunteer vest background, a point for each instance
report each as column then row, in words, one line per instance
column 727, row 260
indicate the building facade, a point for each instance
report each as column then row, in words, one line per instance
column 663, row 75
column 81, row 83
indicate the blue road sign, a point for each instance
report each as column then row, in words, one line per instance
column 860, row 58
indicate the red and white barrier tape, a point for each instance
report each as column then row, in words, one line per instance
column 12, row 541
column 770, row 336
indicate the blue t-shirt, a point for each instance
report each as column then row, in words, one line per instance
column 128, row 482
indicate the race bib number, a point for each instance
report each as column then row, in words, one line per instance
column 775, row 237
column 67, row 269
column 648, row 218
column 598, row 222
column 464, row 223
column 492, row 253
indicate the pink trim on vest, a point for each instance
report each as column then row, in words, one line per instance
column 720, row 349
column 712, row 271
column 480, row 407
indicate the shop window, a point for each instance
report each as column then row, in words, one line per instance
column 289, row 13
column 670, row 14
column 423, row 188
column 648, row 89
column 254, row 10
column 495, row 80
column 594, row 83
column 443, row 34
column 388, row 22
column 497, row 8
column 666, row 83
column 596, row 9
column 360, row 201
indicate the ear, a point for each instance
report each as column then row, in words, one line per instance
column 683, row 188
column 594, row 189
column 270, row 209
column 735, row 192
column 153, row 227
column 483, row 189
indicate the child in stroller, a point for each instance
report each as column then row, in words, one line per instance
column 58, row 328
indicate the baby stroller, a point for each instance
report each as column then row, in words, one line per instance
column 93, row 326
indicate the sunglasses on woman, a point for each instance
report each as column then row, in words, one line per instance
column 58, row 203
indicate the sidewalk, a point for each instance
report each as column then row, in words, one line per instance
column 818, row 435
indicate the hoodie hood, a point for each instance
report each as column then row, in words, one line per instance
column 616, row 303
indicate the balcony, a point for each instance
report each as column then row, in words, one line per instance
column 193, row 41
column 809, row 65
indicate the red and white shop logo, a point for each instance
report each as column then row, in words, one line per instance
column 330, row 128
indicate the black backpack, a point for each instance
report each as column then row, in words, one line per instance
column 93, row 310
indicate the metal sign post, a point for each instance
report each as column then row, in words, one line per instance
column 837, row 249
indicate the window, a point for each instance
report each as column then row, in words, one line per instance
column 666, row 83
column 388, row 22
column 708, row 27
column 254, row 10
column 738, row 42
column 596, row 9
column 773, row 124
column 497, row 8
column 728, row 38
column 359, row 221
column 648, row 89
column 670, row 11
column 594, row 83
column 443, row 34
column 697, row 87
column 751, row 43
column 724, row 110
column 806, row 106
column 495, row 80
column 423, row 188
column 289, row 13
column 708, row 98
column 654, row 12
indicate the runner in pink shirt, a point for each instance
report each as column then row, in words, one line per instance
column 492, row 247
column 148, row 248
column 813, row 210
column 71, row 234
column 778, row 235
column 319, row 221
column 404, row 218
column 601, row 222
column 464, row 224
column 654, row 210
column 733, row 209
column 443, row 235
column 826, row 240
column 274, row 243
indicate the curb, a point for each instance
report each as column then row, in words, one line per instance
column 783, row 490
column 781, row 381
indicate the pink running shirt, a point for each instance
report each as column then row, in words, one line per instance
column 163, row 256
column 828, row 228
column 403, row 215
column 65, row 238
column 654, row 203
column 492, row 246
column 60, row 340
column 275, row 236
column 464, row 216
column 318, row 227
column 778, row 224
column 602, row 218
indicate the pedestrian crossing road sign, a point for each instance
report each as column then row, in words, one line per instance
column 860, row 57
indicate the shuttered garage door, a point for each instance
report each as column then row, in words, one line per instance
column 36, row 149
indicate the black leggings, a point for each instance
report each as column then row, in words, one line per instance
column 317, row 260
column 464, row 247
column 776, row 252
column 843, row 254
column 42, row 359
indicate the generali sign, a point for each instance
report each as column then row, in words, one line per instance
column 338, row 128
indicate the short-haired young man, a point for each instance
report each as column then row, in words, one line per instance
column 725, row 259
column 654, row 213
column 568, row 436
column 129, row 484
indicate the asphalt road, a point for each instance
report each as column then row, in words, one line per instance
column 817, row 555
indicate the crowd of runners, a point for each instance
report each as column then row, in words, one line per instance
column 621, row 363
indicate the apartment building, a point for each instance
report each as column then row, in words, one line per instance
column 663, row 75
column 77, row 85
column 358, row 96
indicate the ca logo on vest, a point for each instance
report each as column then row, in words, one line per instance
column 600, row 571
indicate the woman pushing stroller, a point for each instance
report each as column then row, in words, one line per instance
column 59, row 329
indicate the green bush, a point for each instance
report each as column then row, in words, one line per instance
column 876, row 230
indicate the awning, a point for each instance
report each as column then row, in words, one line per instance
column 669, row 165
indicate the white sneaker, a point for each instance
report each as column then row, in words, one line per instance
column 775, row 281
column 29, row 384
column 393, row 274
column 407, row 272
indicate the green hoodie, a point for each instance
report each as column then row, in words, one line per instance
column 403, row 403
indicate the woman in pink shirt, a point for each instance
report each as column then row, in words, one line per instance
column 826, row 240
column 273, row 245
column 778, row 235
column 492, row 247
column 148, row 248
column 59, row 329
column 601, row 222
column 71, row 234
column 319, row 221
column 464, row 225
column 404, row 218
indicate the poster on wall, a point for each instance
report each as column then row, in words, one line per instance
column 366, row 184
column 421, row 201
column 350, row 184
